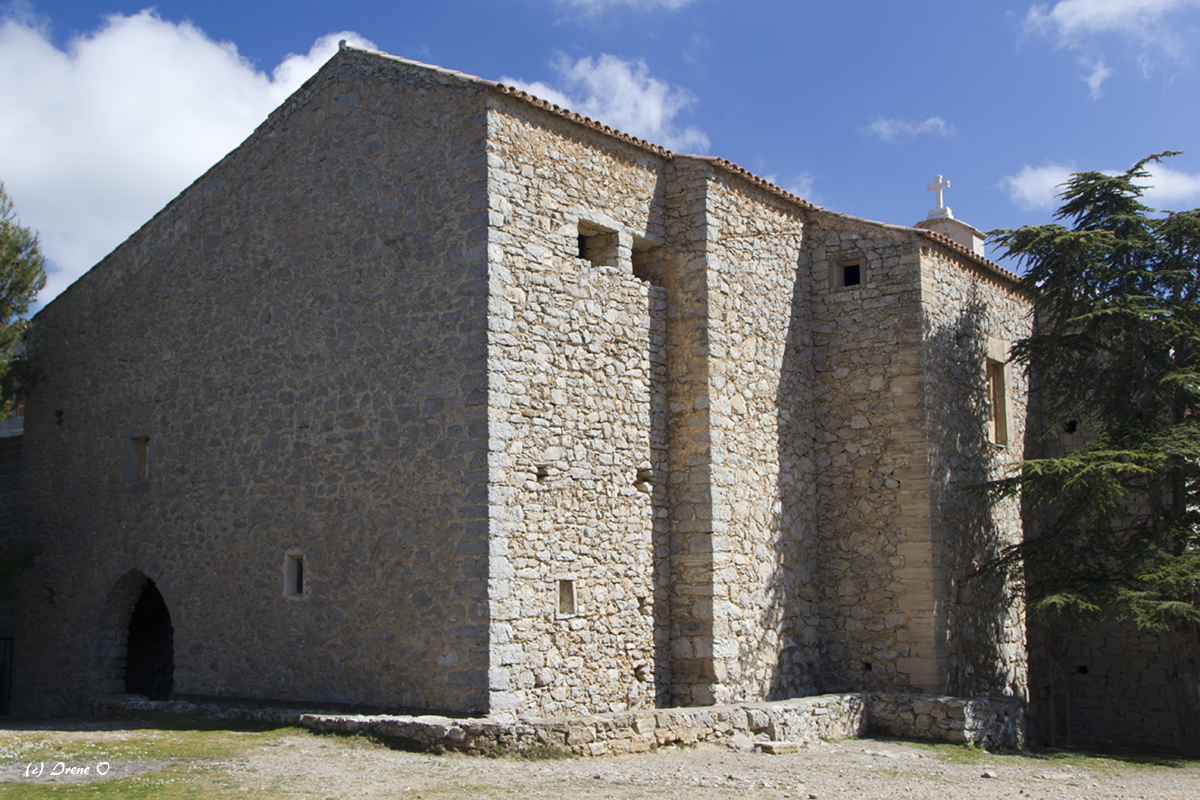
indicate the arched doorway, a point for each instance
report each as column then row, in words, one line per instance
column 150, row 649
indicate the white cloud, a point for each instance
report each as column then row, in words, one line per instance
column 1156, row 28
column 1037, row 188
column 621, row 94
column 801, row 186
column 888, row 129
column 1169, row 188
column 596, row 6
column 1100, row 74
column 1072, row 20
column 97, row 137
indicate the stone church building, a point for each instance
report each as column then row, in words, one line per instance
column 432, row 395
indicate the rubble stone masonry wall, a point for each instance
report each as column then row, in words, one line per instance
column 972, row 316
column 868, row 452
column 301, row 338
column 575, row 360
column 761, row 429
column 1100, row 682
column 557, row 423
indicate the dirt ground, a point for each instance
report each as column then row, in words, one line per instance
column 294, row 763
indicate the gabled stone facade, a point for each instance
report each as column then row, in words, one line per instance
column 434, row 396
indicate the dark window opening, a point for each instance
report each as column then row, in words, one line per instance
column 136, row 463
column 1082, row 669
column 294, row 576
column 596, row 245
column 566, row 597
column 150, row 647
column 647, row 261
column 1071, row 426
column 851, row 275
column 866, row 666
column 141, row 449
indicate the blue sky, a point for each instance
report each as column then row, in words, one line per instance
column 111, row 108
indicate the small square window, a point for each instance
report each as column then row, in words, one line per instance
column 566, row 598
column 596, row 245
column 846, row 273
column 851, row 275
column 293, row 575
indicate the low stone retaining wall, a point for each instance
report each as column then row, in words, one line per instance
column 993, row 722
column 990, row 722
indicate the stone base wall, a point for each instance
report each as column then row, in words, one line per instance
column 1107, row 683
column 996, row 722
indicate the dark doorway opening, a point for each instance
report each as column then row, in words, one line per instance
column 150, row 656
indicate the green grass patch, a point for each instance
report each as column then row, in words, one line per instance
column 131, row 744
column 1111, row 755
column 545, row 752
column 178, row 782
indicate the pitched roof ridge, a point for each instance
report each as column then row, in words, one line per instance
column 567, row 113
column 453, row 73
column 757, row 180
column 722, row 163
column 986, row 263
column 582, row 119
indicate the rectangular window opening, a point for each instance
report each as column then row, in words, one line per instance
column 294, row 575
column 136, row 459
column 566, row 597
column 647, row 262
column 997, row 403
column 141, row 449
column 596, row 245
column 849, row 273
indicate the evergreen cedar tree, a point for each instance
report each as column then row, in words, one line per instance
column 1116, row 349
column 22, row 275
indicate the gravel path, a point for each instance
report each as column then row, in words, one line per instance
column 861, row 769
column 294, row 764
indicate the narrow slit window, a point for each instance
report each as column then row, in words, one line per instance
column 566, row 597
column 293, row 578
column 136, row 466
column 141, row 449
column 997, row 403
